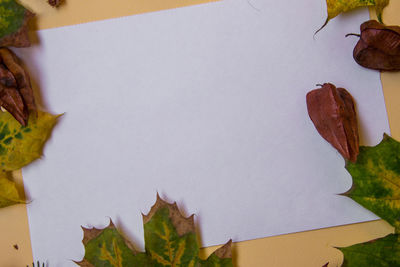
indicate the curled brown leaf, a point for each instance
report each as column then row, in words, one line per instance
column 333, row 113
column 378, row 47
column 16, row 94
column 55, row 3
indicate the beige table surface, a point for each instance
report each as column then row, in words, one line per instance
column 306, row 249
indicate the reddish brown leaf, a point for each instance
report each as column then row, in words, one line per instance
column 378, row 47
column 55, row 3
column 333, row 113
column 6, row 77
column 16, row 94
column 12, row 101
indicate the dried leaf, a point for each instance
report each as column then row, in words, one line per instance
column 16, row 94
column 384, row 252
column 13, row 24
column 335, row 7
column 376, row 180
column 333, row 113
column 55, row 3
column 8, row 193
column 20, row 145
column 170, row 240
column 378, row 47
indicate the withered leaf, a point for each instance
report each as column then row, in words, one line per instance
column 55, row 3
column 378, row 47
column 333, row 113
column 170, row 240
column 16, row 94
column 13, row 24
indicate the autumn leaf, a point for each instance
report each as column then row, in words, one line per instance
column 333, row 113
column 376, row 186
column 376, row 180
column 335, row 7
column 8, row 192
column 55, row 3
column 384, row 252
column 378, row 47
column 170, row 240
column 13, row 24
column 20, row 145
column 16, row 94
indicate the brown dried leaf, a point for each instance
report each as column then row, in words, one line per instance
column 333, row 113
column 12, row 101
column 378, row 47
column 55, row 3
column 16, row 94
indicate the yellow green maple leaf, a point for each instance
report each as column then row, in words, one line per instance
column 170, row 240
column 19, row 146
column 336, row 7
column 376, row 180
column 376, row 186
column 8, row 192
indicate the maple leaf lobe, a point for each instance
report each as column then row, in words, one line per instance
column 183, row 225
column 225, row 251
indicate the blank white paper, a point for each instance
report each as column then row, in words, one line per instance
column 204, row 105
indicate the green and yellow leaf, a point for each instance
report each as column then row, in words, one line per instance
column 21, row 145
column 384, row 252
column 169, row 237
column 336, row 7
column 170, row 240
column 108, row 248
column 376, row 180
column 13, row 24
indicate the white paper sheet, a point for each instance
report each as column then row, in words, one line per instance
column 205, row 105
